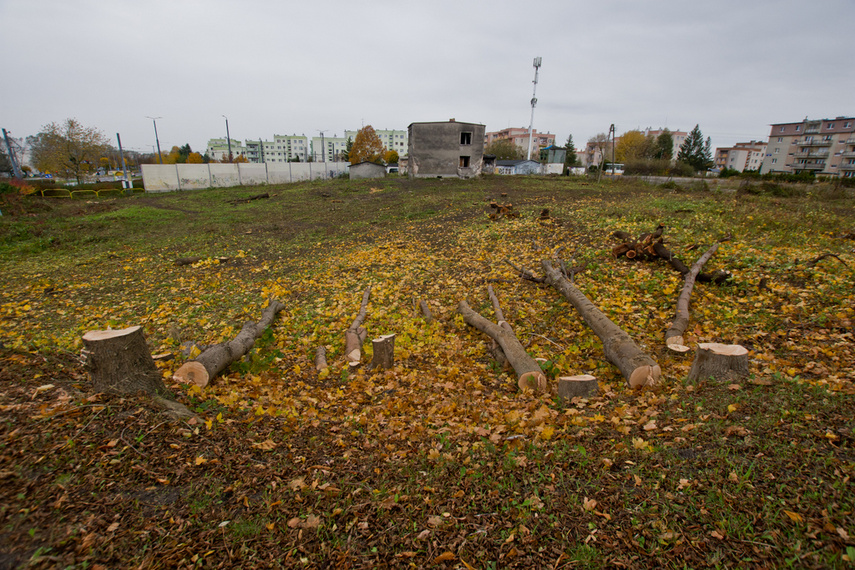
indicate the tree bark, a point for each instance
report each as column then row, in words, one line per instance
column 356, row 334
column 217, row 358
column 725, row 362
column 570, row 387
column 120, row 362
column 426, row 311
column 637, row 367
column 384, row 352
column 530, row 376
column 674, row 334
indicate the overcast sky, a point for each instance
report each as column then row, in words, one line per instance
column 283, row 67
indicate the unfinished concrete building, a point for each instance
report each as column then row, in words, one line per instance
column 445, row 149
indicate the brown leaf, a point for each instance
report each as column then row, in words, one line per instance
column 795, row 517
column 444, row 557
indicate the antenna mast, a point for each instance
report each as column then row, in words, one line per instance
column 533, row 103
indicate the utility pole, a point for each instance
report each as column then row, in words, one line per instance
column 323, row 146
column 130, row 188
column 612, row 133
column 228, row 137
column 157, row 140
column 14, row 162
column 536, row 64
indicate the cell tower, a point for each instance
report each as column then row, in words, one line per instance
column 533, row 103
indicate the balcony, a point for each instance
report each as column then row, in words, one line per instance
column 848, row 154
column 847, row 166
column 808, row 166
column 850, row 140
column 814, row 154
column 814, row 143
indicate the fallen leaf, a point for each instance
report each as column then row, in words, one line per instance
column 444, row 557
column 795, row 517
column 589, row 504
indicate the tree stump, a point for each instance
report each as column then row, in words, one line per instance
column 570, row 387
column 725, row 362
column 119, row 361
column 384, row 352
column 426, row 312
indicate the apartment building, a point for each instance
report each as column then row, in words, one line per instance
column 825, row 147
column 519, row 136
column 741, row 156
column 218, row 149
column 328, row 149
column 392, row 139
column 679, row 138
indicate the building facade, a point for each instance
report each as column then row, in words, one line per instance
column 392, row 139
column 519, row 136
column 825, row 147
column 445, row 149
column 741, row 156
column 679, row 138
column 218, row 149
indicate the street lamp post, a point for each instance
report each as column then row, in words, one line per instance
column 228, row 138
column 537, row 62
column 154, row 122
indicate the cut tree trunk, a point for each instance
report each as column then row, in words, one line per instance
column 218, row 357
column 674, row 334
column 356, row 334
column 384, row 352
column 637, row 367
column 718, row 276
column 120, row 362
column 321, row 358
column 583, row 386
column 530, row 376
column 426, row 312
column 725, row 362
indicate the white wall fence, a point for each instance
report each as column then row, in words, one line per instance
column 171, row 177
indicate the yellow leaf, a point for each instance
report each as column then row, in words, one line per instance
column 547, row 433
column 732, row 408
column 220, row 417
column 209, row 423
column 194, row 352
column 795, row 517
column 200, row 460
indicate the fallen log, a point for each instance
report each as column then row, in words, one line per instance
column 637, row 367
column 724, row 362
column 674, row 334
column 529, row 374
column 321, row 358
column 218, row 357
column 192, row 260
column 250, row 199
column 719, row 276
column 356, row 334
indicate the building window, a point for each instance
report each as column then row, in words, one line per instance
column 798, row 128
column 774, row 161
column 780, row 139
column 777, row 150
column 466, row 138
column 782, row 129
column 830, row 125
column 464, row 162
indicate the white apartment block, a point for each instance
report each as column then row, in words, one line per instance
column 328, row 149
column 391, row 139
column 741, row 156
column 218, row 149
column 823, row 146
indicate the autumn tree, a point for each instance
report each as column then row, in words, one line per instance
column 633, row 145
column 367, row 147
column 695, row 152
column 68, row 148
column 195, row 158
column 390, row 157
column 504, row 149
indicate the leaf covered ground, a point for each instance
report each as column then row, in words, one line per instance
column 439, row 461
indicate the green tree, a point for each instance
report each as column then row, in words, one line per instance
column 695, row 152
column 68, row 148
column 504, row 149
column 5, row 163
column 345, row 154
column 367, row 147
column 664, row 147
column 571, row 160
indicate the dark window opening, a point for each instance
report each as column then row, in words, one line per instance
column 465, row 138
column 464, row 162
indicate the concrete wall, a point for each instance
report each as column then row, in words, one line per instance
column 367, row 170
column 435, row 150
column 171, row 177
